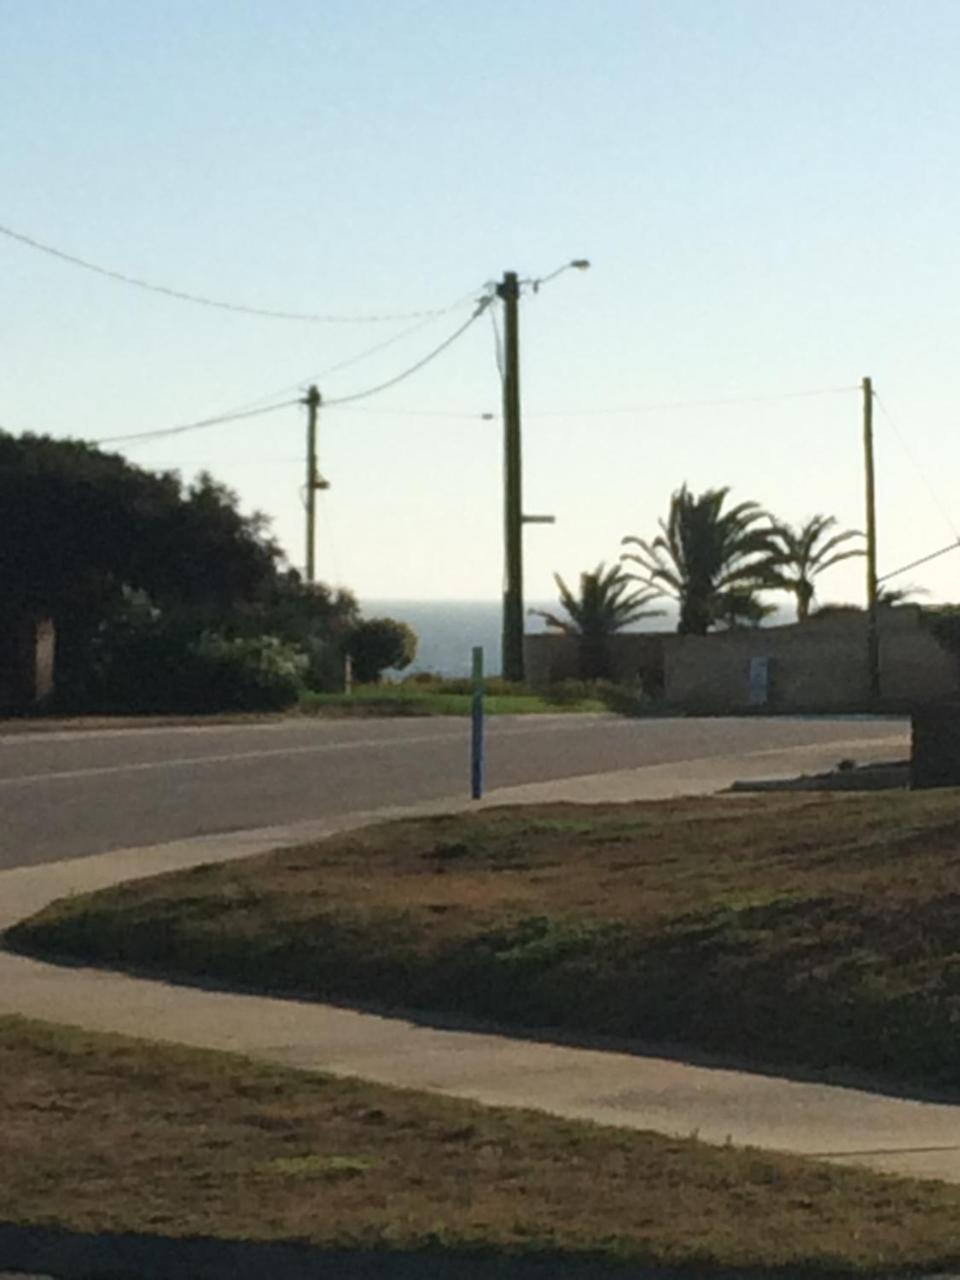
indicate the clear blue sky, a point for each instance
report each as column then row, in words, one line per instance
column 769, row 194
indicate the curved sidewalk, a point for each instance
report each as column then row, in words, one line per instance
column 718, row 1105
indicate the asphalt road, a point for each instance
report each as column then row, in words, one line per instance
column 65, row 795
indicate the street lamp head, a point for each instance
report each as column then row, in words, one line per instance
column 581, row 264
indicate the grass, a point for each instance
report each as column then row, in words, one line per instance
column 106, row 1134
column 415, row 700
column 793, row 930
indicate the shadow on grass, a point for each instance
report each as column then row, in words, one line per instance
column 71, row 1255
column 893, row 775
column 671, row 1051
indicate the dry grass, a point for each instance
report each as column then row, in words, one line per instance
column 102, row 1133
column 802, row 929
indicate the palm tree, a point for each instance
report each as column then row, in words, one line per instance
column 741, row 608
column 602, row 607
column 706, row 559
column 802, row 554
column 891, row 597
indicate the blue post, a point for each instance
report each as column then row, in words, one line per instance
column 476, row 727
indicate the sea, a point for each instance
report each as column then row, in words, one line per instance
column 447, row 631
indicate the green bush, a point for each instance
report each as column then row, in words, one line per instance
column 623, row 699
column 378, row 644
column 161, row 668
column 567, row 693
column 494, row 686
column 256, row 674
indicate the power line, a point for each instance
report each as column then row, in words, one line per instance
column 415, row 368
column 938, row 503
column 610, row 412
column 239, row 414
column 497, row 344
column 460, row 414
column 183, row 295
column 354, row 359
column 690, row 404
column 934, row 555
column 162, row 432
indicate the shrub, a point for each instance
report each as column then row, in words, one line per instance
column 493, row 686
column 566, row 693
column 162, row 668
column 377, row 644
column 256, row 674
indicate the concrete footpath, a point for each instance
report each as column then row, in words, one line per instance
column 718, row 1105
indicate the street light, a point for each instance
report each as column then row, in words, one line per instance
column 577, row 264
column 512, row 637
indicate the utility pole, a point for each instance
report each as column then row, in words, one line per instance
column 512, row 644
column 873, row 632
column 314, row 481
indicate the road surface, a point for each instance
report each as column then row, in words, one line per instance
column 80, row 792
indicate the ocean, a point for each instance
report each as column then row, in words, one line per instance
column 447, row 630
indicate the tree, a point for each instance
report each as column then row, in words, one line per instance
column 80, row 530
column 316, row 618
column 712, row 562
column 378, row 643
column 741, row 608
column 602, row 608
column 892, row 597
column 78, row 526
column 802, row 554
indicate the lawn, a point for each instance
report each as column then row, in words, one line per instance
column 794, row 930
column 414, row 700
column 106, row 1134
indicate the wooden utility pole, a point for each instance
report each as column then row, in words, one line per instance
column 512, row 641
column 314, row 482
column 873, row 632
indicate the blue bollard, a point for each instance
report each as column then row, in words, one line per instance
column 476, row 727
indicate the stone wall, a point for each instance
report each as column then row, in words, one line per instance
column 820, row 665
column 550, row 657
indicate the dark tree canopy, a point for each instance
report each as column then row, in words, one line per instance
column 77, row 526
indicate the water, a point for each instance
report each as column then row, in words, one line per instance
column 448, row 630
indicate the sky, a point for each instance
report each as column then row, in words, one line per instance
column 767, row 193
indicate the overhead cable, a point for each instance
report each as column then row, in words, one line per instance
column 237, row 415
column 183, row 295
column 627, row 409
column 691, row 404
column 934, row 555
column 937, row 501
column 162, row 432
column 415, row 368
column 352, row 360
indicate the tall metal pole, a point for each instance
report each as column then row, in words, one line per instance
column 312, row 401
column 873, row 632
column 512, row 645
